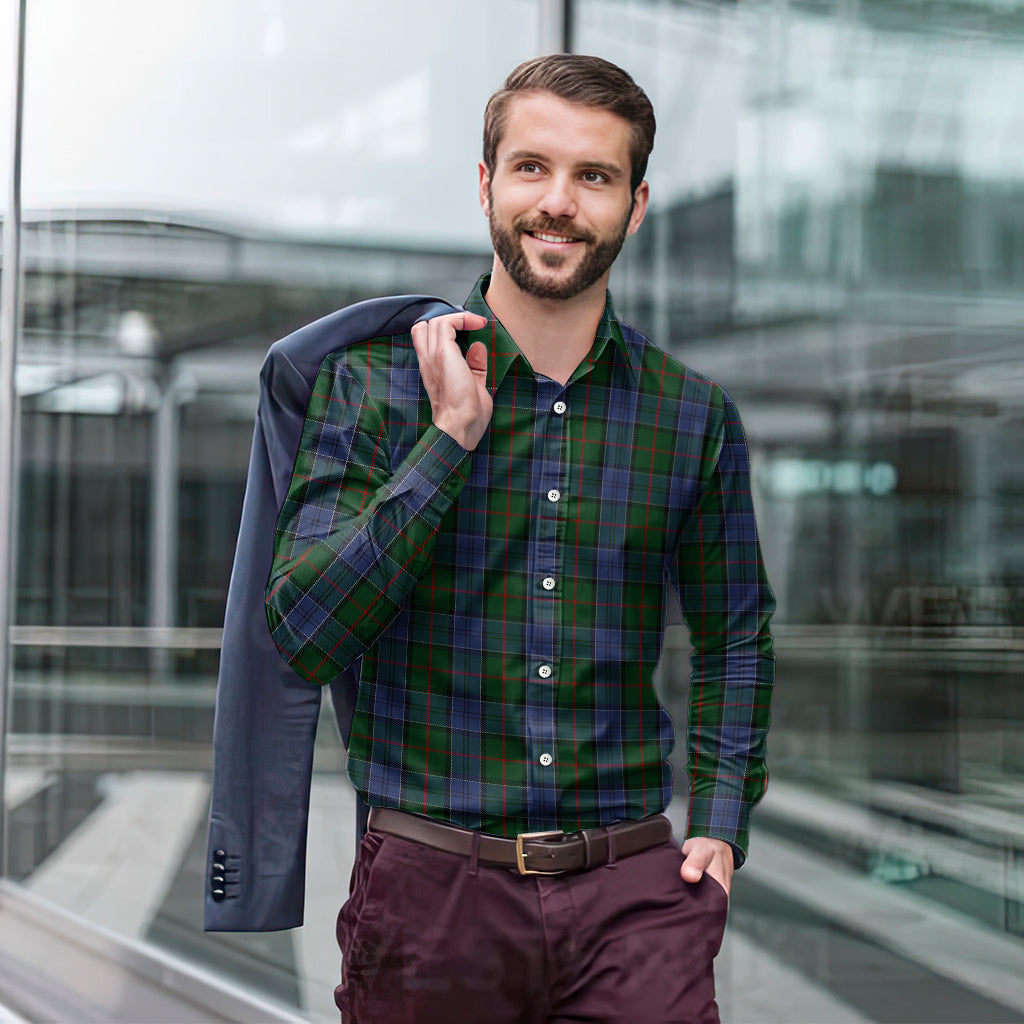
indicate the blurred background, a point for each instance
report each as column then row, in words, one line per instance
column 836, row 235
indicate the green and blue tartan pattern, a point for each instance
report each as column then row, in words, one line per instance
column 510, row 603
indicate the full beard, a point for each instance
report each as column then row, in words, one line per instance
column 599, row 256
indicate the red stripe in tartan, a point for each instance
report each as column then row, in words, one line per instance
column 576, row 565
column 697, row 684
column 504, row 601
column 647, row 519
column 430, row 673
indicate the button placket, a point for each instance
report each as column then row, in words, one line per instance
column 543, row 610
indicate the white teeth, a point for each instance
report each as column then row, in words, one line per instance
column 551, row 238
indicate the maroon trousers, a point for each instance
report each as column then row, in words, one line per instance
column 432, row 938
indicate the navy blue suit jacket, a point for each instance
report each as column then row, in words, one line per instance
column 266, row 715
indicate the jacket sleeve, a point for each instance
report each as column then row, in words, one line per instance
column 263, row 733
column 727, row 603
column 354, row 533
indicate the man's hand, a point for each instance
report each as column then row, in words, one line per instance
column 711, row 855
column 457, row 385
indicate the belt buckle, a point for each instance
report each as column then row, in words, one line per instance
column 521, row 856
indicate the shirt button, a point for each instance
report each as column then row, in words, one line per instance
column 559, row 407
column 546, row 759
column 544, row 671
column 548, row 583
column 554, row 495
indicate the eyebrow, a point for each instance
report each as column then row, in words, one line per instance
column 611, row 170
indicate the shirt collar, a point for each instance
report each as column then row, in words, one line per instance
column 503, row 352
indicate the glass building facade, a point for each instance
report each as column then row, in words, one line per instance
column 836, row 234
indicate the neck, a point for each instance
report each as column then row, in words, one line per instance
column 554, row 334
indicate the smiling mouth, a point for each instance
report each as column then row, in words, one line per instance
column 545, row 236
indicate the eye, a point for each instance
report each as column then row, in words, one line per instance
column 529, row 167
column 594, row 177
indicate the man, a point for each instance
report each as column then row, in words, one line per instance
column 490, row 513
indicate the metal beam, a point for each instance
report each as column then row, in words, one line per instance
column 554, row 23
column 10, row 310
column 163, row 518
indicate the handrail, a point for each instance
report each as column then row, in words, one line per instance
column 167, row 637
column 56, row 965
column 788, row 636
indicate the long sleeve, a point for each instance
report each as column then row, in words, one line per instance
column 727, row 604
column 355, row 533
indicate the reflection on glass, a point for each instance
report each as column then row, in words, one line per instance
column 200, row 179
column 836, row 236
column 8, row 25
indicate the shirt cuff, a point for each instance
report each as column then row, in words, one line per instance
column 721, row 816
column 439, row 462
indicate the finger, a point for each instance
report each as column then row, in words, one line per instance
column 447, row 325
column 461, row 321
column 419, row 331
column 695, row 864
column 473, row 321
column 691, row 872
column 441, row 330
column 477, row 358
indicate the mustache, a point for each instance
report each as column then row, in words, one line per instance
column 552, row 226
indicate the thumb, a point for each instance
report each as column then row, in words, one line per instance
column 694, row 864
column 477, row 358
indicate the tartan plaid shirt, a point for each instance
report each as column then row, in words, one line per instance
column 509, row 604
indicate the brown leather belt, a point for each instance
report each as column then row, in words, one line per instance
column 530, row 853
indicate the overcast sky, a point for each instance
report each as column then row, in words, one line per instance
column 340, row 117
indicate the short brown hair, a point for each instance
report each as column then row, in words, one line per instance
column 577, row 78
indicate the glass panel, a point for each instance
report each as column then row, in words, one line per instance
column 8, row 26
column 201, row 178
column 8, row 55
column 836, row 235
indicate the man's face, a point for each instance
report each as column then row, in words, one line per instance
column 559, row 203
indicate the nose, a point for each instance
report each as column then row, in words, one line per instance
column 559, row 198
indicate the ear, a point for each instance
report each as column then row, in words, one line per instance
column 640, row 199
column 485, row 182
